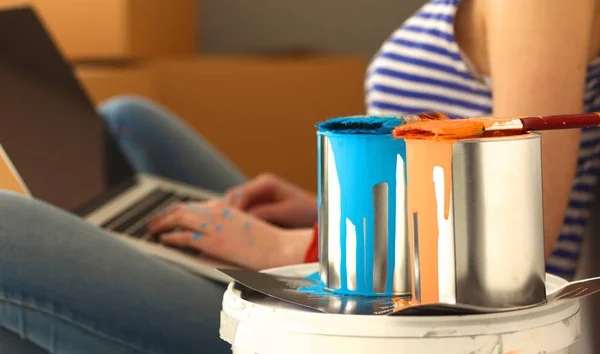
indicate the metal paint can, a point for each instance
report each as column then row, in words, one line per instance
column 363, row 245
column 476, row 230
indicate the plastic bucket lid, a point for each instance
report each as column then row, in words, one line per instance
column 269, row 326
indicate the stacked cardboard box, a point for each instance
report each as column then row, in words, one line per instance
column 259, row 111
column 118, row 29
column 103, row 82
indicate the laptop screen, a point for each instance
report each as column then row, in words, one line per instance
column 48, row 126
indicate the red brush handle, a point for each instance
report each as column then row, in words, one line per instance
column 566, row 121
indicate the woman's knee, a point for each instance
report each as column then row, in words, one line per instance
column 131, row 110
column 12, row 343
column 16, row 209
column 26, row 220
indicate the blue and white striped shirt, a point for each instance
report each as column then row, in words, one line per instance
column 420, row 68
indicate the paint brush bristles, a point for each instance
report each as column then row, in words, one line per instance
column 448, row 129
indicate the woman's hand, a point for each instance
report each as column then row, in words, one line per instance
column 275, row 200
column 231, row 235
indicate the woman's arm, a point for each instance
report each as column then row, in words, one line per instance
column 538, row 54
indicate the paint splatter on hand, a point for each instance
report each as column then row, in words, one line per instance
column 230, row 234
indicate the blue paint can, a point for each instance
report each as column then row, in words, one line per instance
column 363, row 243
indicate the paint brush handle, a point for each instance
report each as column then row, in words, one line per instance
column 566, row 121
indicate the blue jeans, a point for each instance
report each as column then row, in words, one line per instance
column 69, row 287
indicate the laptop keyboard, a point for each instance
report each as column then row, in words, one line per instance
column 133, row 220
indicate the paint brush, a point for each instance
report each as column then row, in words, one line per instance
column 565, row 121
column 478, row 127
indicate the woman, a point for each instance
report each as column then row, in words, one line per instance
column 536, row 56
column 452, row 55
column 68, row 287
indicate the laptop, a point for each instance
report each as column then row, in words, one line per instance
column 64, row 153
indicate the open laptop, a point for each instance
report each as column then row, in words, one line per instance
column 63, row 152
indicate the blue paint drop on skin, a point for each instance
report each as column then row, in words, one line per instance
column 227, row 214
column 363, row 160
column 196, row 235
column 247, row 226
column 203, row 226
column 219, row 227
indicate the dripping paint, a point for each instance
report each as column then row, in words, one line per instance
column 400, row 248
column 446, row 266
column 364, row 204
column 429, row 198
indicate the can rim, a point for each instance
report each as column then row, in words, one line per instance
column 328, row 133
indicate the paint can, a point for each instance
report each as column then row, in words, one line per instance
column 476, row 221
column 363, row 246
column 259, row 325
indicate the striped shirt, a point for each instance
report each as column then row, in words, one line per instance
column 420, row 68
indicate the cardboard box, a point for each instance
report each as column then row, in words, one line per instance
column 261, row 112
column 103, row 82
column 118, row 29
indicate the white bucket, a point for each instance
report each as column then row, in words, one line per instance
column 270, row 326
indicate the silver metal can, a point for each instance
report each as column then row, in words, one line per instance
column 476, row 230
column 363, row 247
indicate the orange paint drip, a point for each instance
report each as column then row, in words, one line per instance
column 450, row 129
column 422, row 156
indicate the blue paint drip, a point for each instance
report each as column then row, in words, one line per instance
column 363, row 161
column 319, row 288
column 203, row 226
column 219, row 227
column 227, row 214
column 247, row 226
column 319, row 193
column 196, row 235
